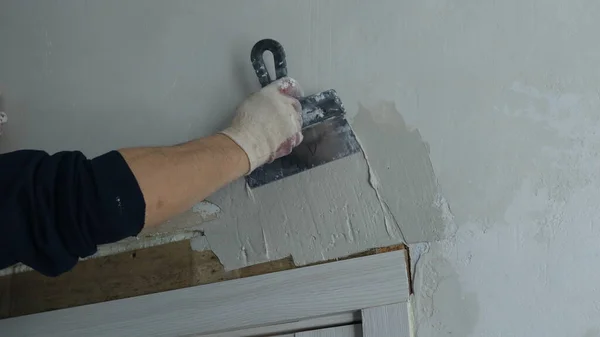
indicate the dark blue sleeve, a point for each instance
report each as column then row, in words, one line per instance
column 56, row 209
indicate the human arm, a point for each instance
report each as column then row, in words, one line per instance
column 174, row 178
column 56, row 209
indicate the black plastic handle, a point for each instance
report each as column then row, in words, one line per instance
column 258, row 62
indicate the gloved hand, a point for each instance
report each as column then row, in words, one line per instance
column 268, row 123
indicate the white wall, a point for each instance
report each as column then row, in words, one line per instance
column 480, row 120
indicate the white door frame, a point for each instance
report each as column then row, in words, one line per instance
column 329, row 291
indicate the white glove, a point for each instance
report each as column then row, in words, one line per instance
column 268, row 123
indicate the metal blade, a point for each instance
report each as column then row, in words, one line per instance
column 319, row 107
column 323, row 142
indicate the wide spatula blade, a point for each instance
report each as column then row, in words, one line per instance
column 324, row 142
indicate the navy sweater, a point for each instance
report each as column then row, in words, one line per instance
column 57, row 209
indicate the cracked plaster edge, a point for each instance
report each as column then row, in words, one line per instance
column 374, row 183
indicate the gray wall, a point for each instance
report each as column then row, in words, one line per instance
column 479, row 122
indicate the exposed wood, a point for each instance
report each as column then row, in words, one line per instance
column 101, row 280
column 145, row 271
column 114, row 277
column 306, row 324
column 386, row 321
column 354, row 330
column 296, row 294
column 180, row 228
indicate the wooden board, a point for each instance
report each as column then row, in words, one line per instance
column 300, row 293
column 145, row 271
column 386, row 321
column 338, row 331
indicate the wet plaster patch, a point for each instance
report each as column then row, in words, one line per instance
column 386, row 196
column 325, row 213
column 405, row 179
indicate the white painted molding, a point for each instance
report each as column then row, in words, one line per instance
column 276, row 298
column 386, row 321
column 346, row 318
column 338, row 331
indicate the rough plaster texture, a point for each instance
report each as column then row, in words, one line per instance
column 504, row 94
column 509, row 106
column 337, row 209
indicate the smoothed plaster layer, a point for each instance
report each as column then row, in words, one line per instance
column 399, row 159
column 338, row 209
column 328, row 212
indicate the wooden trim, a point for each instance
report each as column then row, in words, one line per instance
column 386, row 321
column 296, row 294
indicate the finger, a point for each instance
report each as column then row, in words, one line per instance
column 299, row 139
column 284, row 149
column 290, row 87
column 298, row 108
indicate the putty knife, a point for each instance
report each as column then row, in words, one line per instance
column 327, row 134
